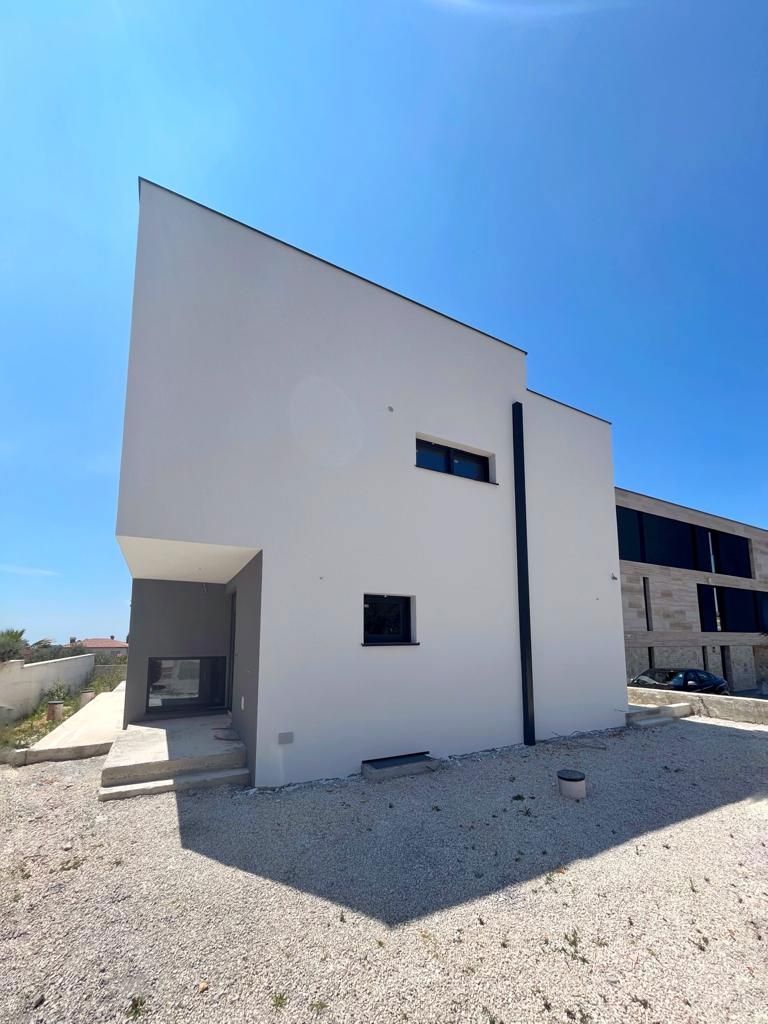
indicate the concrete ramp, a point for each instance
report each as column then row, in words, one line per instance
column 91, row 731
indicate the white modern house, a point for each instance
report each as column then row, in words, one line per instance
column 348, row 519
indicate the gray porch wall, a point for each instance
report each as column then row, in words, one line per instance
column 172, row 620
column 245, row 682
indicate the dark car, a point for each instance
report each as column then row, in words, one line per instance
column 692, row 680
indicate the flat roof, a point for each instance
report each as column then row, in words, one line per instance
column 689, row 508
column 328, row 263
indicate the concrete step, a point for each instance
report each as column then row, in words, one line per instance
column 657, row 711
column 232, row 756
column 642, row 711
column 185, row 780
column 163, row 750
column 649, row 721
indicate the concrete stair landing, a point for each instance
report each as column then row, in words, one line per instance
column 177, row 754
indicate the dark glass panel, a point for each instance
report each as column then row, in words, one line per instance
column 762, row 612
column 707, row 609
column 386, row 619
column 668, row 542
column 703, row 550
column 738, row 610
column 186, row 683
column 630, row 543
column 731, row 554
column 432, row 456
column 474, row 467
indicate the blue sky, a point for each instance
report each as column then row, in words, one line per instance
column 584, row 178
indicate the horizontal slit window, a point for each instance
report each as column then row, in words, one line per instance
column 446, row 459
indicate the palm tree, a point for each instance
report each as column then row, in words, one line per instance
column 11, row 643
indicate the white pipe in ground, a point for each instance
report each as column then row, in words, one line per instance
column 572, row 784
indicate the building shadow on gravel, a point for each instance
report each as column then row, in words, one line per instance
column 403, row 849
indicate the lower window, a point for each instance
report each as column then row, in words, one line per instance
column 178, row 684
column 386, row 619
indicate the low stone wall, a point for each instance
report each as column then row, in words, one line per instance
column 22, row 686
column 708, row 705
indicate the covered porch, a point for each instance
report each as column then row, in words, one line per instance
column 194, row 646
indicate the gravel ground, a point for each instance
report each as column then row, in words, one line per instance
column 472, row 894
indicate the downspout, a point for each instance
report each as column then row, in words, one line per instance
column 523, row 586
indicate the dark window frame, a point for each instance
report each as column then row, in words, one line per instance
column 189, row 709
column 404, row 638
column 704, row 550
column 452, row 454
column 716, row 606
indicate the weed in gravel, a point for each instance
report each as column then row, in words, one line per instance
column 380, row 943
column 579, row 1015
column 279, row 1000
column 693, row 887
column 318, row 1006
column 547, row 1004
column 435, row 807
column 601, row 941
column 492, row 1018
column 574, row 939
column 136, row 1008
column 641, row 1001
column 71, row 864
column 526, row 812
column 701, row 942
column 342, row 918
column 518, row 796
column 22, row 870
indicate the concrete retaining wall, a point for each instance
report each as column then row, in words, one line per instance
column 22, row 686
column 732, row 709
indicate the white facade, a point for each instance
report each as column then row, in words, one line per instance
column 273, row 405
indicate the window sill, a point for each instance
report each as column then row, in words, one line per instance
column 394, row 643
column 456, row 476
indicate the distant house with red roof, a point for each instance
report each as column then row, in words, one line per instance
column 101, row 645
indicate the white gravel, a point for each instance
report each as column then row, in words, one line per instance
column 438, row 898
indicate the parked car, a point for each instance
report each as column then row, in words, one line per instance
column 692, row 680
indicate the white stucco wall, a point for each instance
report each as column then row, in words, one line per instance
column 273, row 403
column 22, row 686
column 577, row 628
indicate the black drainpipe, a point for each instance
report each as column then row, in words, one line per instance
column 523, row 589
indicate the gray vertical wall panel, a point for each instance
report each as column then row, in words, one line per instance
column 245, row 686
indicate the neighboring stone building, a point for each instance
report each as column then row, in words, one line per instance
column 694, row 590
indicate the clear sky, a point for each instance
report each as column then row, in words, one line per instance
column 584, row 178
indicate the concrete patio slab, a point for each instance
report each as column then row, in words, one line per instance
column 91, row 731
column 165, row 749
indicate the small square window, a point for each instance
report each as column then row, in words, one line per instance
column 386, row 619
